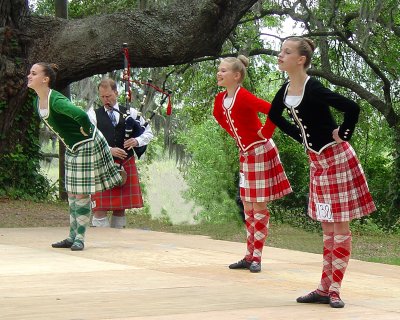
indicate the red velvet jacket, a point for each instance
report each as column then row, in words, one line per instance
column 241, row 119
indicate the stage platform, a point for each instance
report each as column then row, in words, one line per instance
column 139, row 274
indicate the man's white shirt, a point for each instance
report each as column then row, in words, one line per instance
column 143, row 139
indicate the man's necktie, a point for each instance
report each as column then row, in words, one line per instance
column 112, row 117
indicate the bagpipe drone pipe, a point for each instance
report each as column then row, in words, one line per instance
column 133, row 127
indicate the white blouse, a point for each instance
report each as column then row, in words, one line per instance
column 44, row 112
column 292, row 100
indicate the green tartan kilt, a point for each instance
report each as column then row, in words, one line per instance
column 91, row 168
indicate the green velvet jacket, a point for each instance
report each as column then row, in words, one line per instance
column 67, row 121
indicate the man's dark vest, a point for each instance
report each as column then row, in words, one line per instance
column 114, row 135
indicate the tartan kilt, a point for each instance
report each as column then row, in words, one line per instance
column 90, row 168
column 338, row 183
column 262, row 178
column 121, row 197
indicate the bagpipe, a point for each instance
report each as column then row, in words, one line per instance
column 133, row 126
column 133, row 129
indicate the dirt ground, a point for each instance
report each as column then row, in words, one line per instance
column 19, row 213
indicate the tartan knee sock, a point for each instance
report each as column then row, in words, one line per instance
column 326, row 278
column 261, row 222
column 340, row 259
column 72, row 218
column 249, row 220
column 83, row 211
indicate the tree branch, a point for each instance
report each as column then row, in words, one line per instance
column 92, row 45
column 391, row 117
column 372, row 65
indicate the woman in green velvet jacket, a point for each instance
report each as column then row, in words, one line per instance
column 89, row 166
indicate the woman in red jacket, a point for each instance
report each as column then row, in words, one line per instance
column 262, row 177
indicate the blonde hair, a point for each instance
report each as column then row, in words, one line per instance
column 305, row 47
column 238, row 64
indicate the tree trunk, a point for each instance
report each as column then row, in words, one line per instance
column 13, row 70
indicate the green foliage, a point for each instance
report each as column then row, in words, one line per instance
column 20, row 177
column 44, row 8
column 295, row 163
column 296, row 216
column 213, row 171
column 195, row 90
column 84, row 8
column 366, row 226
column 165, row 219
column 371, row 142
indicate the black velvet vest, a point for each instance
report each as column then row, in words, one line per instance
column 114, row 135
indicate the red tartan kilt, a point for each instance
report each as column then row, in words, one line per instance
column 122, row 197
column 337, row 179
column 262, row 176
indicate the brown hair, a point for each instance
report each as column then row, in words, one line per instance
column 238, row 64
column 50, row 70
column 105, row 83
column 306, row 48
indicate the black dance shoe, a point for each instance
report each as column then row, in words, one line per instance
column 335, row 301
column 62, row 244
column 255, row 267
column 313, row 297
column 242, row 264
column 77, row 246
